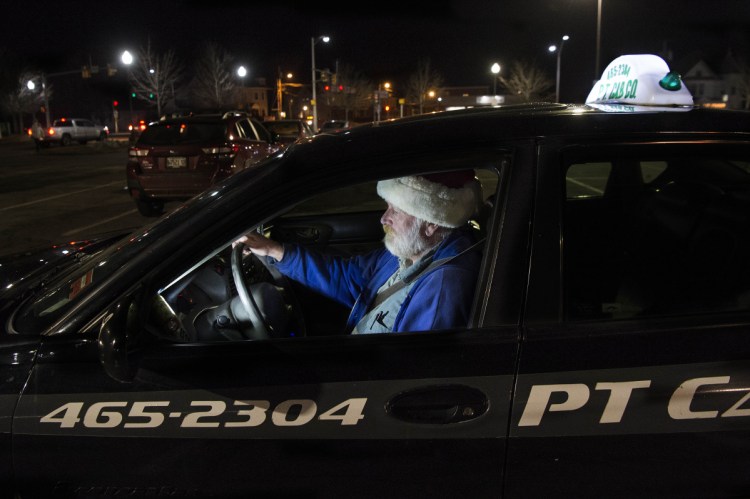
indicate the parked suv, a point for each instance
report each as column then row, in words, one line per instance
column 66, row 130
column 177, row 158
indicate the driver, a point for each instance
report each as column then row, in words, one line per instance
column 425, row 276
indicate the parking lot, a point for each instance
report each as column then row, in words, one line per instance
column 61, row 194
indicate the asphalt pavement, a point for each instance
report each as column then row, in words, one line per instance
column 59, row 195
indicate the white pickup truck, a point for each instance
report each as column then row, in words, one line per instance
column 66, row 130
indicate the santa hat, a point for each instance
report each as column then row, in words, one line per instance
column 447, row 199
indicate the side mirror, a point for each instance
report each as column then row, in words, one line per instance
column 113, row 343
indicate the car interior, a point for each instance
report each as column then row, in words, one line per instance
column 657, row 236
column 232, row 295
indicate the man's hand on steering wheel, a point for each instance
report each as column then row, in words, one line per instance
column 262, row 246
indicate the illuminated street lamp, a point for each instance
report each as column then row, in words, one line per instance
column 553, row 48
column 313, row 42
column 127, row 59
column 495, row 69
column 31, row 86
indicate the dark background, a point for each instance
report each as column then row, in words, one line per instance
column 384, row 40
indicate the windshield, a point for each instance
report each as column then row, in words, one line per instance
column 182, row 132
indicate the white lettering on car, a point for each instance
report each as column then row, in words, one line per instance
column 577, row 396
column 209, row 414
column 680, row 405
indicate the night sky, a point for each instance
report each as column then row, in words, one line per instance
column 383, row 40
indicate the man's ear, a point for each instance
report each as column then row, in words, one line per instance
column 429, row 229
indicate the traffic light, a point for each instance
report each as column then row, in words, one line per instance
column 150, row 95
column 327, row 88
column 114, row 103
column 341, row 88
column 132, row 95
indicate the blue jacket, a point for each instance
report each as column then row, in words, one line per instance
column 439, row 299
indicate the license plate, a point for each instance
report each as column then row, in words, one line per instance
column 176, row 162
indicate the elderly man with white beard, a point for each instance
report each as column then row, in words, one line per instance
column 425, row 276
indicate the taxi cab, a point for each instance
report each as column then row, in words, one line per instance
column 606, row 355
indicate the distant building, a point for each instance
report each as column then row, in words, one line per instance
column 727, row 85
column 254, row 100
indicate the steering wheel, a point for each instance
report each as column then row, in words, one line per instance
column 261, row 325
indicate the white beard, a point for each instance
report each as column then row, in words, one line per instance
column 410, row 244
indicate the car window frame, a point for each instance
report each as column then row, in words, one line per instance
column 545, row 306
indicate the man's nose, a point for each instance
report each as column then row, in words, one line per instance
column 385, row 218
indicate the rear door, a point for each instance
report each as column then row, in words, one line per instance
column 634, row 376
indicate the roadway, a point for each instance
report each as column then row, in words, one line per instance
column 62, row 194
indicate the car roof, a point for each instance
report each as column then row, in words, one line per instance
column 513, row 122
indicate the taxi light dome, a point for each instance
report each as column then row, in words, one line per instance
column 642, row 80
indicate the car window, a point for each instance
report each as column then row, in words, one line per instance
column 247, row 130
column 187, row 132
column 261, row 131
column 344, row 222
column 283, row 128
column 656, row 237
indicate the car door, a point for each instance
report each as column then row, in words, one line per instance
column 634, row 377
column 326, row 415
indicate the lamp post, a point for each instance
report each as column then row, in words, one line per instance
column 31, row 86
column 127, row 59
column 241, row 74
column 554, row 48
column 495, row 69
column 313, row 42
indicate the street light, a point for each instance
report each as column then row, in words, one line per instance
column 31, row 86
column 127, row 59
column 495, row 69
column 381, row 86
column 553, row 48
column 313, row 42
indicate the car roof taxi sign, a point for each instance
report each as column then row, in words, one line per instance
column 642, row 80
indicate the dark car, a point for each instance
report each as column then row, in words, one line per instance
column 289, row 131
column 177, row 158
column 606, row 354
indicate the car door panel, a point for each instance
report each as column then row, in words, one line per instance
column 273, row 418
column 632, row 400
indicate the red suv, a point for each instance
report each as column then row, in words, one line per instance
column 177, row 158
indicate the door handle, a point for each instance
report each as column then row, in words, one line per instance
column 440, row 404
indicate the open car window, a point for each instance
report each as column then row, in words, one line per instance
column 206, row 303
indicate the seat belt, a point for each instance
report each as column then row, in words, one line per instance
column 397, row 286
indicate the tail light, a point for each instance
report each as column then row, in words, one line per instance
column 51, row 131
column 134, row 152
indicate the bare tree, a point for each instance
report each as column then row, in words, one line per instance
column 355, row 89
column 22, row 100
column 214, row 85
column 422, row 81
column 153, row 76
column 528, row 82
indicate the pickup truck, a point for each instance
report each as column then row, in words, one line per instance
column 66, row 130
